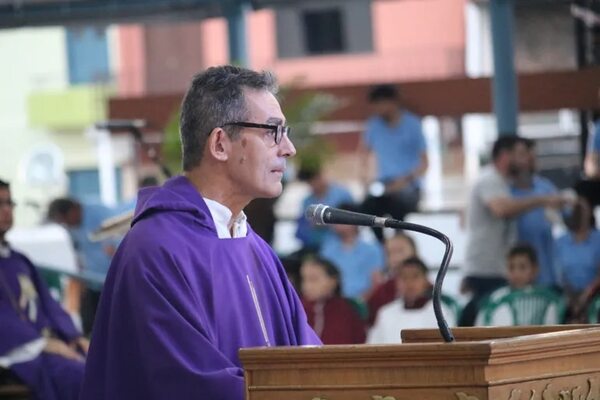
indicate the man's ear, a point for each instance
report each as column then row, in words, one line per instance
column 219, row 144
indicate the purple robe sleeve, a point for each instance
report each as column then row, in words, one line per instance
column 165, row 334
column 60, row 321
column 14, row 331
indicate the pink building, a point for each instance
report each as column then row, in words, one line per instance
column 329, row 43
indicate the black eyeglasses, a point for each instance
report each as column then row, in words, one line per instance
column 277, row 131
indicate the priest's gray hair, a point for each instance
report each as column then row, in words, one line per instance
column 216, row 97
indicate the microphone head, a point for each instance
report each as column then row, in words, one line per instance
column 314, row 213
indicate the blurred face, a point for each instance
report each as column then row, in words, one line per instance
column 6, row 211
column 521, row 271
column 346, row 231
column 316, row 284
column 385, row 108
column 74, row 216
column 412, row 282
column 257, row 163
column 397, row 250
column 520, row 159
column 318, row 184
column 532, row 160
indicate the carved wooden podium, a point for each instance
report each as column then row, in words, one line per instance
column 515, row 363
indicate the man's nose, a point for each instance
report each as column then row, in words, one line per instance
column 286, row 147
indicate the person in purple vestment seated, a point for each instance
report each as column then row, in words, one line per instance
column 38, row 342
column 332, row 317
column 191, row 283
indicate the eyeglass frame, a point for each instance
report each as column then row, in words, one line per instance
column 279, row 130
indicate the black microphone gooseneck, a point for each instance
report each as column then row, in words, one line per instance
column 321, row 214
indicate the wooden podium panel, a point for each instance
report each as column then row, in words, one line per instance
column 561, row 362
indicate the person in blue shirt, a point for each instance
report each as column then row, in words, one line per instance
column 533, row 226
column 578, row 253
column 80, row 219
column 592, row 162
column 361, row 263
column 324, row 192
column 395, row 138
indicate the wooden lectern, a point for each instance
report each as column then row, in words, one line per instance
column 512, row 363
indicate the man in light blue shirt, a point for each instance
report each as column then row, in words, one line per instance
column 322, row 192
column 360, row 262
column 533, row 226
column 395, row 138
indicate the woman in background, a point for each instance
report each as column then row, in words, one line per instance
column 332, row 317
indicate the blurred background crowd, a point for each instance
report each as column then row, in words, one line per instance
column 474, row 117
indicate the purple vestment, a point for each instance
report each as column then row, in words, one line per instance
column 179, row 303
column 26, row 310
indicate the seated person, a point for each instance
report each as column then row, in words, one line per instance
column 414, row 309
column 331, row 316
column 578, row 255
column 360, row 262
column 398, row 248
column 322, row 191
column 38, row 342
column 521, row 273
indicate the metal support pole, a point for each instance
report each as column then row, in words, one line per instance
column 236, row 11
column 505, row 91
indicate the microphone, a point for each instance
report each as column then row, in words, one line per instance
column 320, row 214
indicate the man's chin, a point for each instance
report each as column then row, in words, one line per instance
column 274, row 191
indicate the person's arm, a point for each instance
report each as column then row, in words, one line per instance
column 61, row 322
column 23, row 353
column 592, row 158
column 424, row 160
column 366, row 159
column 508, row 207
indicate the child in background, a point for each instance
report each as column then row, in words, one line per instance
column 398, row 248
column 522, row 271
column 331, row 316
column 413, row 309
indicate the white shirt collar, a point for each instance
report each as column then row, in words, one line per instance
column 225, row 222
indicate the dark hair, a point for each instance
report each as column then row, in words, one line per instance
column 148, row 180
column 214, row 98
column 4, row 185
column 307, row 174
column 529, row 143
column 330, row 270
column 502, row 144
column 523, row 249
column 383, row 92
column 59, row 208
column 415, row 261
column 573, row 220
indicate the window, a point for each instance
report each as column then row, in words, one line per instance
column 326, row 27
column 323, row 31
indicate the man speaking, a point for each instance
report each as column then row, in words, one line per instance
column 191, row 283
